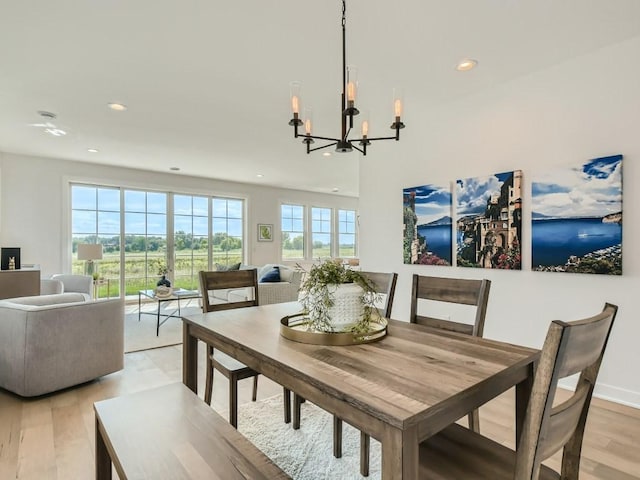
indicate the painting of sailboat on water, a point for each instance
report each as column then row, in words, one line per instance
column 427, row 225
column 576, row 219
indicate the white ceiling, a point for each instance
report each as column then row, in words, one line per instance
column 207, row 82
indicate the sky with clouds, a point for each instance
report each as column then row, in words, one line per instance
column 432, row 202
column 588, row 190
column 472, row 193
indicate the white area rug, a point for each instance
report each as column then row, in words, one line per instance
column 141, row 335
column 305, row 454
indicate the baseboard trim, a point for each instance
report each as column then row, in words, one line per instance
column 609, row 393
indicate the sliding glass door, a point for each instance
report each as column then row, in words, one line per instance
column 190, row 239
column 146, row 233
column 95, row 219
column 145, row 239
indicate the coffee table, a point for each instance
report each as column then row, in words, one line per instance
column 178, row 294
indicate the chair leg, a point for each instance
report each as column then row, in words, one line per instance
column 365, row 441
column 474, row 421
column 287, row 404
column 297, row 401
column 337, row 437
column 233, row 401
column 255, row 389
column 208, row 387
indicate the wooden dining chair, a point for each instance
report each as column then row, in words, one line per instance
column 231, row 368
column 461, row 291
column 385, row 285
column 570, row 348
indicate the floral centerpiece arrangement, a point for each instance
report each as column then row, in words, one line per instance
column 338, row 299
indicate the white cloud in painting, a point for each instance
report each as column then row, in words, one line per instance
column 432, row 202
column 473, row 193
column 591, row 190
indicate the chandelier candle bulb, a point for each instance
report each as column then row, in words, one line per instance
column 365, row 129
column 351, row 92
column 308, row 120
column 352, row 84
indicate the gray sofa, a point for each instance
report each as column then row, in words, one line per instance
column 286, row 290
column 50, row 342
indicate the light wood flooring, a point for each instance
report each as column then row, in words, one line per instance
column 52, row 437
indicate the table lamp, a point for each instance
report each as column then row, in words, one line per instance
column 89, row 252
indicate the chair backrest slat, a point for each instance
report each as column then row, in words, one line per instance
column 225, row 280
column 466, row 328
column 451, row 290
column 562, row 423
column 586, row 340
column 569, row 348
column 384, row 283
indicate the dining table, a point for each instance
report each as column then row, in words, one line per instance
column 400, row 389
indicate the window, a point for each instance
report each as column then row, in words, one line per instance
column 159, row 231
column 321, row 232
column 190, row 239
column 145, row 239
column 95, row 218
column 346, row 233
column 292, row 222
column 227, row 231
column 325, row 233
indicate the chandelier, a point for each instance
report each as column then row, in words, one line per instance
column 349, row 110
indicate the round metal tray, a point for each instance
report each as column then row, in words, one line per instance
column 298, row 328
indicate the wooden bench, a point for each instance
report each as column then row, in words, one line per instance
column 170, row 433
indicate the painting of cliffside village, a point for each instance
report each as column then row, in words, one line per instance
column 427, row 225
column 489, row 221
column 576, row 218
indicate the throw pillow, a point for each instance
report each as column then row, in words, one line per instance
column 272, row 276
column 225, row 268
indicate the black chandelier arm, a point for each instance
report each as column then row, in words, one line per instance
column 309, row 150
column 363, row 151
column 381, row 138
column 329, row 139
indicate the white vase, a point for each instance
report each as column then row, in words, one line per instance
column 347, row 308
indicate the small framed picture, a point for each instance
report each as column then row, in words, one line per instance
column 265, row 232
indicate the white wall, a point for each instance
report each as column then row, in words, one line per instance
column 34, row 204
column 579, row 110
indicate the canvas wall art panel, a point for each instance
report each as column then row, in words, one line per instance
column 427, row 225
column 576, row 218
column 489, row 221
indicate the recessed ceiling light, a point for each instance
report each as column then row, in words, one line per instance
column 174, row 169
column 118, row 107
column 260, row 175
column 92, row 150
column 335, row 189
column 466, row 64
column 326, row 154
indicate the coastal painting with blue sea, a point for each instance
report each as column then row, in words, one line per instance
column 427, row 225
column 577, row 218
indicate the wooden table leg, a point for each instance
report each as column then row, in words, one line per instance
column 400, row 454
column 189, row 359
column 103, row 461
column 523, row 393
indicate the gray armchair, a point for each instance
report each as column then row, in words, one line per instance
column 50, row 342
column 49, row 286
column 76, row 283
